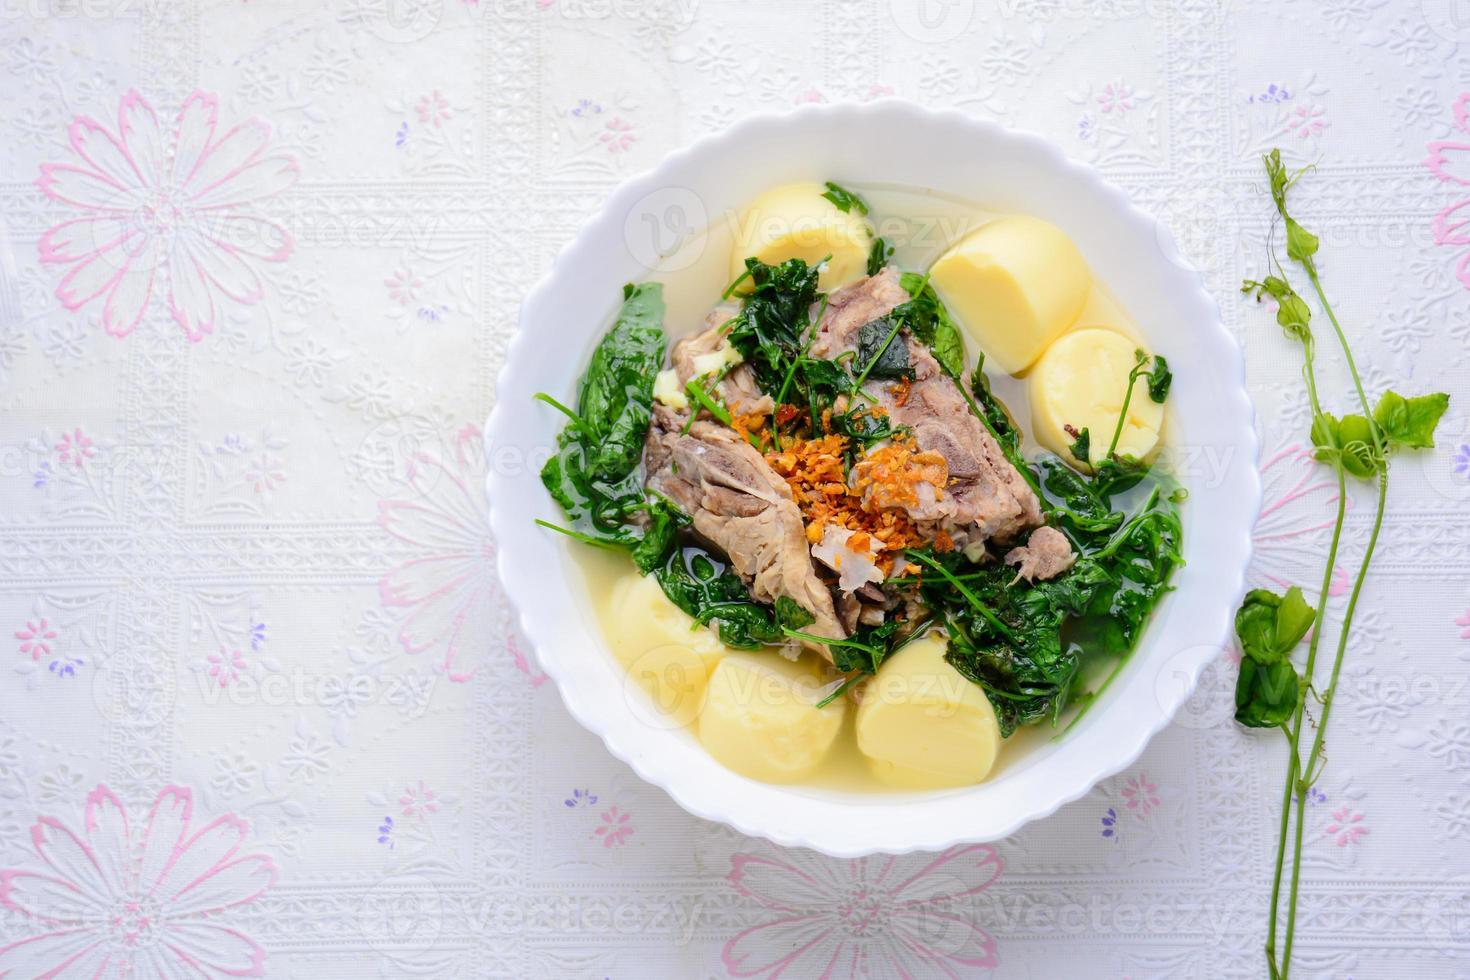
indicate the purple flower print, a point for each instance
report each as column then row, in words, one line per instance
column 65, row 666
column 385, row 833
column 165, row 206
column 1449, row 160
column 614, row 829
column 581, row 798
column 75, row 448
column 881, row 916
column 586, row 107
column 1140, row 795
column 1346, row 826
column 1274, row 94
column 1462, row 460
column 1316, row 796
column 135, row 894
column 42, row 476
column 257, row 636
column 400, row 138
column 1110, row 823
column 35, row 638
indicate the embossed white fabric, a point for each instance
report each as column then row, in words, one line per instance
column 260, row 709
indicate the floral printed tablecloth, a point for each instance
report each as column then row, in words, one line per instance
column 260, row 709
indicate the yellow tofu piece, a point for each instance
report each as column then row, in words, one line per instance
column 1014, row 285
column 922, row 725
column 795, row 221
column 760, row 716
column 1081, row 382
column 665, row 652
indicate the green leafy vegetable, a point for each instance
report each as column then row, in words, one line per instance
column 845, row 200
column 1081, row 447
column 595, row 474
column 1269, row 691
column 1270, row 626
column 878, row 256
column 929, row 321
column 1410, row 422
column 884, row 355
column 1159, row 380
column 709, row 590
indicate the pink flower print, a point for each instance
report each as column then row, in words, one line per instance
column 1299, row 507
column 75, row 448
column 1461, row 621
column 614, row 829
column 165, row 210
column 433, row 109
column 1307, row 120
column 618, row 135
column 810, row 96
column 450, row 588
column 418, row 801
column 879, row 91
column 910, row 916
column 403, row 287
column 136, row 898
column 522, row 662
column 264, row 474
column 36, row 638
column 226, row 666
column 1449, row 160
column 1346, row 826
column 1116, row 97
column 1140, row 795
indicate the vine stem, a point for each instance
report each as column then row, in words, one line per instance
column 1309, row 374
column 1308, row 773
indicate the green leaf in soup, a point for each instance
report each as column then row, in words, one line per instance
column 1410, row 422
column 1270, row 626
column 1159, row 380
column 882, row 352
column 878, row 256
column 659, row 535
column 615, row 402
column 845, row 200
column 1266, row 694
column 791, row 615
column 1081, row 447
column 929, row 321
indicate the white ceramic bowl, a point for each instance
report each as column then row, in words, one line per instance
column 895, row 142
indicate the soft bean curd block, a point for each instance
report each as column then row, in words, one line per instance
column 796, row 222
column 921, row 724
column 1080, row 383
column 667, row 655
column 1015, row 285
column 760, row 717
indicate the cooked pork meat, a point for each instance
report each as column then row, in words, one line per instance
column 740, row 506
column 738, row 389
column 985, row 497
column 1045, row 555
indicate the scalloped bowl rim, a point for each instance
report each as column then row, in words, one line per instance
column 1147, row 692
